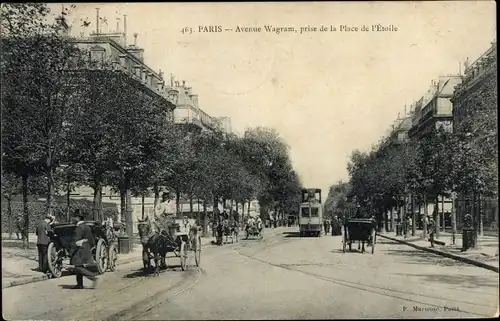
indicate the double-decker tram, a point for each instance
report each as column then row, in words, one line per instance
column 311, row 213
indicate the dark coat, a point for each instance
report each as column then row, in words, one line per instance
column 82, row 255
column 41, row 231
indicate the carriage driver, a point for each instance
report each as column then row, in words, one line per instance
column 161, row 219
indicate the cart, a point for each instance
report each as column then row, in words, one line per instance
column 62, row 238
column 186, row 242
column 253, row 231
column 361, row 230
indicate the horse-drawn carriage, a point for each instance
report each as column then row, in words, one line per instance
column 157, row 245
column 361, row 230
column 61, row 241
column 254, row 230
column 229, row 231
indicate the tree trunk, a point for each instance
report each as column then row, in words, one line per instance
column 97, row 203
column 413, row 216
column 130, row 221
column 123, row 206
column 453, row 219
column 177, row 203
column 403, row 217
column 426, row 212
column 25, row 211
column 436, row 216
column 216, row 205
column 191, row 206
column 50, row 190
column 156, row 191
column 392, row 219
column 386, row 222
column 68, row 199
column 480, row 214
column 205, row 218
column 475, row 221
column 9, row 216
column 442, row 214
column 142, row 206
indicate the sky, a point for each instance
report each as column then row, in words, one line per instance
column 326, row 93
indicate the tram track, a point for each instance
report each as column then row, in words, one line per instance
column 141, row 308
column 385, row 291
column 98, row 298
column 101, row 298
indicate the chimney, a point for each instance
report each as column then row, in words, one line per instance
column 125, row 30
column 136, row 51
column 194, row 99
column 97, row 21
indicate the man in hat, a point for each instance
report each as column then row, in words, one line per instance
column 42, row 243
column 163, row 220
column 81, row 256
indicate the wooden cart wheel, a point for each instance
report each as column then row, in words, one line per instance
column 101, row 256
column 197, row 250
column 374, row 237
column 183, row 256
column 55, row 262
column 112, row 257
column 344, row 243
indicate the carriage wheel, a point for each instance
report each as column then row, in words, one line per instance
column 55, row 262
column 344, row 243
column 197, row 250
column 112, row 257
column 374, row 237
column 183, row 256
column 101, row 256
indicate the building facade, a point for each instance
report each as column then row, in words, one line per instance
column 111, row 48
column 434, row 109
column 477, row 94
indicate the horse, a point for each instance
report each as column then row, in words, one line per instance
column 153, row 244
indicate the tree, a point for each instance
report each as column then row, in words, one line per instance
column 39, row 93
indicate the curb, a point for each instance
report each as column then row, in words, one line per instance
column 40, row 278
column 448, row 255
column 34, row 279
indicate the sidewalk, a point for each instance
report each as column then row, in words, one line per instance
column 485, row 256
column 20, row 266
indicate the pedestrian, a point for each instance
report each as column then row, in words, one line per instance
column 42, row 243
column 81, row 256
column 325, row 226
column 20, row 227
column 431, row 227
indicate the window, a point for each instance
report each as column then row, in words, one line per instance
column 314, row 212
column 305, row 212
